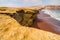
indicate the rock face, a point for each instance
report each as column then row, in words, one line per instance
column 10, row 29
column 24, row 16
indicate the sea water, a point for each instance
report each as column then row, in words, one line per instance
column 53, row 13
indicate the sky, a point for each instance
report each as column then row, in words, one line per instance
column 24, row 3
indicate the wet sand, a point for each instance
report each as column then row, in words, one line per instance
column 47, row 23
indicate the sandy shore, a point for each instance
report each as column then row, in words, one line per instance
column 46, row 22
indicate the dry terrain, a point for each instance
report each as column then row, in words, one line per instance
column 11, row 28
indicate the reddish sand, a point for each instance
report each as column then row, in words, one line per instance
column 46, row 22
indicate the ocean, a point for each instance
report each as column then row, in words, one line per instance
column 53, row 13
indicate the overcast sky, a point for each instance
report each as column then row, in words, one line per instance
column 23, row 3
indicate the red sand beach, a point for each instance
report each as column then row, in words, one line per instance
column 47, row 23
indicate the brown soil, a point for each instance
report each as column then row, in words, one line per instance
column 47, row 23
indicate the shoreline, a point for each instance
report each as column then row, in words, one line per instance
column 47, row 23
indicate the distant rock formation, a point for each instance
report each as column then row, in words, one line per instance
column 52, row 7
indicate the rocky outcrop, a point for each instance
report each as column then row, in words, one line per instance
column 24, row 16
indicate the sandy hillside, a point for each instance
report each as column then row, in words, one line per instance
column 10, row 29
column 13, row 10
